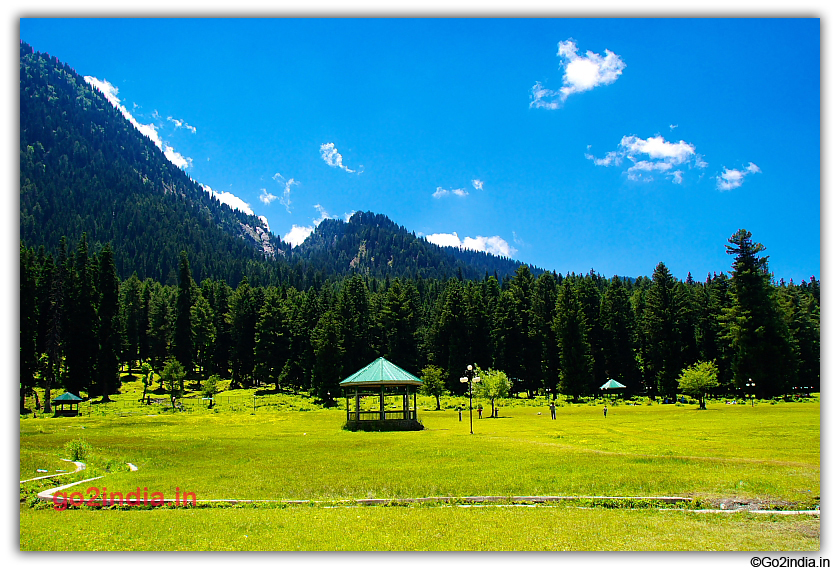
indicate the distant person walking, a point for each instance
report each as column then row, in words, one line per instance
column 605, row 410
column 479, row 411
column 553, row 411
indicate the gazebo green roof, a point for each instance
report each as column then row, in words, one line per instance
column 67, row 397
column 380, row 372
column 612, row 385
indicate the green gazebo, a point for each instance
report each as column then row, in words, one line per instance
column 66, row 399
column 387, row 381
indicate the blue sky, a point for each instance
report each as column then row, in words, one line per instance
column 566, row 143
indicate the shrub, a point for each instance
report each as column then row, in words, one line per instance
column 78, row 449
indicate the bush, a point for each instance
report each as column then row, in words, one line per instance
column 78, row 449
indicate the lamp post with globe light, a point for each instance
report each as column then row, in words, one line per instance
column 470, row 378
column 751, row 387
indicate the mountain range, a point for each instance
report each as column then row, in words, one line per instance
column 85, row 168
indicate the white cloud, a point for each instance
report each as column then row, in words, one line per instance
column 266, row 197
column 672, row 127
column 445, row 240
column 478, row 184
column 234, row 202
column 264, row 220
column 176, row 158
column 733, row 178
column 332, row 157
column 286, row 200
column 441, row 192
column 179, row 124
column 298, row 234
column 494, row 245
column 581, row 73
column 348, row 215
column 110, row 92
column 651, row 155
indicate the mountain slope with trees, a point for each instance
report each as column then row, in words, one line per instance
column 84, row 168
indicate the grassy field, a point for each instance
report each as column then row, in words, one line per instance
column 768, row 455
column 414, row 528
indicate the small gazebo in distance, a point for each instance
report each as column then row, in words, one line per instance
column 66, row 399
column 385, row 380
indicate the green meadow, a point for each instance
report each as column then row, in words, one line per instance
column 766, row 456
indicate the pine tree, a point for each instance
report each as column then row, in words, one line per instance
column 131, row 318
column 203, row 331
column 327, row 344
column 272, row 340
column 244, row 310
column 617, row 320
column 575, row 355
column 757, row 331
column 106, row 380
column 182, row 339
column 28, row 324
column 81, row 324
column 543, row 307
column 662, row 313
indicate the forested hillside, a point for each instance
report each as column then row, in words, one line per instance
column 374, row 245
column 84, row 168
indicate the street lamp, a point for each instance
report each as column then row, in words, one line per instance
column 751, row 384
column 470, row 379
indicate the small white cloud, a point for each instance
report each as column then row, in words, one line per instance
column 266, row 197
column 179, row 124
column 733, row 178
column 286, row 200
column 332, row 157
column 672, row 127
column 494, row 245
column 478, row 184
column 441, row 192
column 176, row 158
column 444, row 240
column 298, row 234
column 324, row 215
column 231, row 200
column 264, row 221
column 580, row 74
column 348, row 215
column 651, row 155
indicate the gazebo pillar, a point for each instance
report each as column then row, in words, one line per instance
column 382, row 402
column 358, row 417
